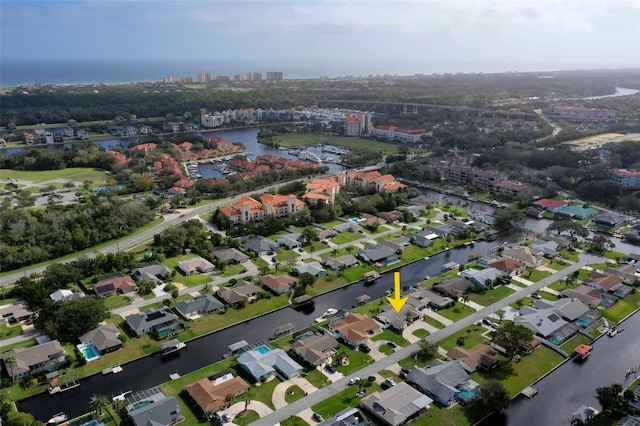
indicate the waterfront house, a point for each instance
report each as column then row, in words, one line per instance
column 508, row 266
column 315, row 349
column 161, row 322
column 397, row 245
column 314, row 268
column 626, row 272
column 480, row 356
column 230, row 255
column 577, row 212
column 114, row 284
column 454, row 288
column 421, row 298
column 546, row 323
column 204, row 304
column 588, row 295
column 608, row 283
column 154, row 410
column 397, row 405
column 608, row 220
column 212, row 395
column 265, row 362
column 550, row 204
column 355, row 329
column 278, row 284
column 24, row 362
column 377, row 254
column 531, row 257
column 239, row 293
column 548, row 248
column 422, row 238
column 340, row 262
column 196, row 265
column 398, row 320
column 481, row 277
column 152, row 271
column 106, row 338
column 444, row 381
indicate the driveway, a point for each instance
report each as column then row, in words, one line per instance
column 407, row 333
column 279, row 392
column 257, row 406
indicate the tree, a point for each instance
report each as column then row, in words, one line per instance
column 507, row 218
column 514, row 338
column 427, row 351
column 68, row 320
column 309, row 234
column 98, row 403
column 600, row 244
column 306, row 279
column 493, row 397
column 612, row 399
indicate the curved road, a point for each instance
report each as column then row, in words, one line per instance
column 373, row 368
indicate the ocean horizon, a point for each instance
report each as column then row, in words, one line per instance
column 14, row 72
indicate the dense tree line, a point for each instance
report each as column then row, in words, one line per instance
column 190, row 235
column 77, row 155
column 32, row 236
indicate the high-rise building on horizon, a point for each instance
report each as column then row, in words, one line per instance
column 223, row 77
column 186, row 80
column 204, row 77
column 274, row 75
column 254, row 76
column 168, row 79
column 238, row 77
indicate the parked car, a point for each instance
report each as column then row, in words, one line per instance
column 353, row 381
column 360, row 394
column 317, row 417
column 536, row 296
column 403, row 375
column 364, row 348
column 390, row 381
column 226, row 418
column 385, row 385
column 405, row 370
column 330, row 368
column 300, row 250
column 392, row 344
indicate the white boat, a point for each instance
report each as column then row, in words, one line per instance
column 122, row 396
column 329, row 312
column 116, row 369
column 57, row 419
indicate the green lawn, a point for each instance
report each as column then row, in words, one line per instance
column 293, row 393
column 471, row 334
column 420, row 333
column 306, row 139
column 357, row 360
column 569, row 254
column 432, row 321
column 187, row 280
column 285, row 256
column 546, row 295
column 556, row 264
column 357, row 272
column 456, row 312
column 491, row 296
column 391, row 336
column 117, row 301
column 231, row 270
column 294, row 421
column 571, row 344
column 260, row 262
column 9, row 331
column 535, row 275
column 623, row 308
column 347, row 237
column 77, row 173
column 246, row 417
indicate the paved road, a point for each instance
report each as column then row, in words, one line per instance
column 373, row 368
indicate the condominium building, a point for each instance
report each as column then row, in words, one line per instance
column 186, row 80
column 485, row 179
column 392, row 133
column 626, row 178
column 356, row 124
column 223, row 77
column 370, row 180
column 168, row 79
column 238, row 77
column 254, row 76
column 204, row 77
column 274, row 75
column 249, row 209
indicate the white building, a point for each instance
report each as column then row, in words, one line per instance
column 396, row 133
column 356, row 124
column 626, row 178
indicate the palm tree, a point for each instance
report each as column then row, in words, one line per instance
column 98, row 402
column 465, row 299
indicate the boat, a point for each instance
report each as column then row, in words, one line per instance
column 371, row 276
column 612, row 331
column 582, row 352
column 116, row 369
column 122, row 396
column 330, row 312
column 57, row 419
column 171, row 347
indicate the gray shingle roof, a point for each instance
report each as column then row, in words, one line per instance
column 202, row 305
column 103, row 337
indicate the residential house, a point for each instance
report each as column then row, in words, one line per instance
column 377, row 254
column 25, row 362
column 444, row 381
column 15, row 312
column 29, row 138
column 422, row 238
column 397, row 244
column 239, row 293
column 348, row 226
column 315, row 349
column 442, row 231
column 152, row 271
column 590, row 296
column 608, row 283
column 550, row 205
column 314, row 268
column 106, row 338
column 545, row 323
column 265, row 362
column 249, row 209
column 260, row 245
column 481, row 277
column 397, row 405
column 114, row 284
column 204, row 304
column 64, row 295
column 324, row 234
column 398, row 320
column 421, row 298
column 547, row 247
column 576, row 212
column 340, row 262
column 292, row 240
column 211, row 395
column 608, row 220
column 569, row 309
column 367, row 219
column 355, row 329
column 626, row 272
column 349, row 417
column 454, row 288
column 161, row 322
column 278, row 284
column 508, row 266
column 230, row 255
column 480, row 356
column 196, row 265
column 531, row 257
column 157, row 410
column 392, row 216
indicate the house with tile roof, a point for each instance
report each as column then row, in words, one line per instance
column 608, row 283
column 211, row 395
column 315, row 349
column 204, row 304
column 444, row 381
column 249, row 209
column 265, row 362
column 371, row 180
column 355, row 329
column 508, row 266
column 114, row 284
column 549, row 204
column 106, row 338
column 397, row 405
column 590, row 296
column 478, row 357
column 26, row 362
column 322, row 190
column 278, row 284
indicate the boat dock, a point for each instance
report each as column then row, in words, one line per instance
column 171, row 347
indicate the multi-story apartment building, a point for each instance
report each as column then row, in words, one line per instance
column 485, row 179
column 357, row 124
column 510, row 189
column 392, row 133
column 223, row 77
column 186, row 80
column 274, row 75
column 238, row 77
column 249, row 209
column 204, row 77
column 587, row 114
column 626, row 178
column 168, row 79
column 370, row 180
column 254, row 76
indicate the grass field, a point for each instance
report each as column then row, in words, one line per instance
column 491, row 296
column 472, row 337
column 456, row 312
column 78, row 174
column 306, row 139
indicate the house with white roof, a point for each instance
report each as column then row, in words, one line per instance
column 264, row 362
column 397, row 405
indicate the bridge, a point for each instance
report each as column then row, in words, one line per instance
column 415, row 108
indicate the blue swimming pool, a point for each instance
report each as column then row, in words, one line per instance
column 262, row 349
column 469, row 395
column 89, row 351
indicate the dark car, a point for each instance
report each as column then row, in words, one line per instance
column 385, row 385
column 330, row 368
column 392, row 345
column 364, row 348
column 318, row 417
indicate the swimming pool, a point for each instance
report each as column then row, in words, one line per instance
column 469, row 395
column 262, row 349
column 89, row 351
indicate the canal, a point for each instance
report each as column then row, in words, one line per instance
column 574, row 384
column 152, row 370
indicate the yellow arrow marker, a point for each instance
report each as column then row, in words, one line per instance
column 396, row 301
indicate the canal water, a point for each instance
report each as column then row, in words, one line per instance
column 574, row 384
column 152, row 370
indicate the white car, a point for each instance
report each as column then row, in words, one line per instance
column 353, row 381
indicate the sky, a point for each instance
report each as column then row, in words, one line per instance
column 420, row 36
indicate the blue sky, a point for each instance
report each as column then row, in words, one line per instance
column 430, row 36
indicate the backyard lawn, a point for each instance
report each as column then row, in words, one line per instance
column 491, row 296
column 623, row 308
